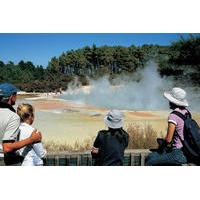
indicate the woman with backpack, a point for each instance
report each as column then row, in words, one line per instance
column 170, row 151
column 109, row 145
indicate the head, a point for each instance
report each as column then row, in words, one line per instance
column 26, row 113
column 114, row 119
column 8, row 93
column 174, row 106
column 176, row 98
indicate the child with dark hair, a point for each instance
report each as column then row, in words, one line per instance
column 109, row 145
column 171, row 152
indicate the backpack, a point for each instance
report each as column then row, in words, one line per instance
column 191, row 142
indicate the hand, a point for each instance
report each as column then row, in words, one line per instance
column 95, row 150
column 36, row 136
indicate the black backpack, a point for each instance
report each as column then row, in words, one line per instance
column 191, row 142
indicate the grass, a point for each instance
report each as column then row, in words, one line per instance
column 77, row 146
column 140, row 137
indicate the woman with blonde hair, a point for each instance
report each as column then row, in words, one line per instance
column 34, row 155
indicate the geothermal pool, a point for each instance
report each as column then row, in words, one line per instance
column 68, row 121
column 79, row 112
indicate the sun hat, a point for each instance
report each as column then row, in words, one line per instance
column 7, row 89
column 177, row 96
column 114, row 119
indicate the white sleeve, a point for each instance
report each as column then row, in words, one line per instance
column 39, row 150
column 12, row 129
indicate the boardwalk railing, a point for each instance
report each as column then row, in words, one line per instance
column 131, row 158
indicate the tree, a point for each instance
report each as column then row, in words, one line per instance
column 54, row 65
column 186, row 51
column 2, row 64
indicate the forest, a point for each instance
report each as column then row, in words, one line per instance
column 180, row 60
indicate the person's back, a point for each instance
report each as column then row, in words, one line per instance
column 111, row 148
column 9, row 128
column 109, row 145
column 9, row 122
column 33, row 154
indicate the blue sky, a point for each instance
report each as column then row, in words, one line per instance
column 39, row 48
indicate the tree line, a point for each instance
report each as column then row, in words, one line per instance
column 180, row 59
column 30, row 78
column 95, row 61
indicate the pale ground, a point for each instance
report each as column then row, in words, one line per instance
column 67, row 122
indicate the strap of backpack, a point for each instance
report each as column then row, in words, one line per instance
column 182, row 116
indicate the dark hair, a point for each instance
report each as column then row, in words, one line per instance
column 174, row 106
column 120, row 134
column 5, row 99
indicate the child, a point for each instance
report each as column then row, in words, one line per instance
column 109, row 145
column 34, row 155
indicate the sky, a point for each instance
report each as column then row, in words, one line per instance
column 39, row 48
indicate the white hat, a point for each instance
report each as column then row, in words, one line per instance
column 177, row 96
column 114, row 119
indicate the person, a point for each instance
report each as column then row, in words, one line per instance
column 171, row 149
column 109, row 145
column 34, row 155
column 9, row 126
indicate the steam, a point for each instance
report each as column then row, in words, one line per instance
column 141, row 91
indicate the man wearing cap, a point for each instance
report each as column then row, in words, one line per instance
column 9, row 126
column 170, row 152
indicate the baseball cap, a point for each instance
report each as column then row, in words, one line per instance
column 7, row 89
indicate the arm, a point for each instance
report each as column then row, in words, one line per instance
column 97, row 141
column 127, row 140
column 96, row 145
column 170, row 132
column 9, row 145
column 39, row 150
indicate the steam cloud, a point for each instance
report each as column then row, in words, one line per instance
column 128, row 93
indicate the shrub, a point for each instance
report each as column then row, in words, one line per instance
column 141, row 137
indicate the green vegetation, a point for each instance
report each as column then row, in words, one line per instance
column 180, row 60
column 32, row 78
